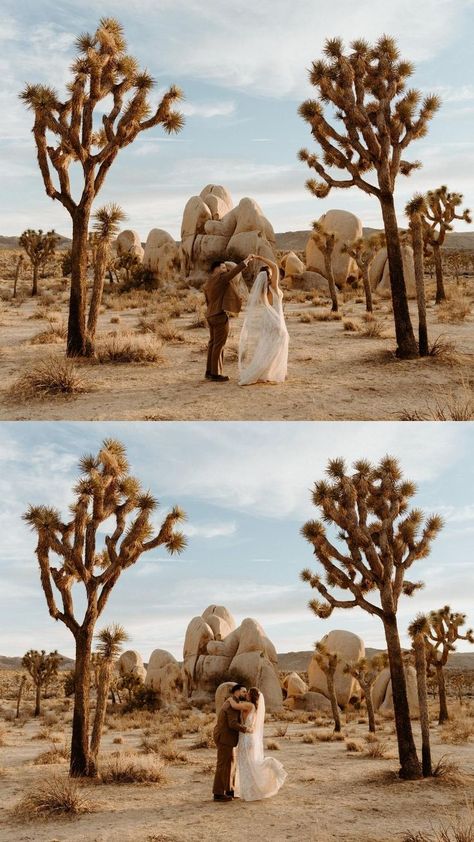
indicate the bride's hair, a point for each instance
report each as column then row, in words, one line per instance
column 254, row 695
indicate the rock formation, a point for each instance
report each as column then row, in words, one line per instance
column 382, row 692
column 162, row 255
column 351, row 648
column 213, row 229
column 347, row 228
column 379, row 274
column 215, row 651
column 130, row 663
column 128, row 242
column 165, row 675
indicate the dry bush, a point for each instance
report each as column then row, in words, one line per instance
column 52, row 335
column 454, row 310
column 327, row 317
column 272, row 745
column 41, row 312
column 374, row 329
column 444, row 351
column 329, row 737
column 281, row 731
column 53, row 755
column 353, row 745
column 457, row 731
column 48, row 378
column 171, row 754
column 351, row 327
column 129, row 348
column 454, row 406
column 115, row 320
column 459, row 830
column 117, row 740
column 52, row 798
column 305, row 318
column 168, row 333
column 449, row 771
column 199, row 320
column 377, row 750
column 124, row 768
column 3, row 733
column 204, row 739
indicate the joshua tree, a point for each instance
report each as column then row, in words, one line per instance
column 328, row 661
column 131, row 683
column 104, row 491
column 21, row 686
column 380, row 118
column 417, row 631
column 378, row 542
column 106, row 227
column 444, row 629
column 42, row 668
column 39, row 247
column 441, row 209
column 110, row 641
column 102, row 71
column 415, row 210
column 363, row 252
column 326, row 241
column 365, row 672
column 18, row 268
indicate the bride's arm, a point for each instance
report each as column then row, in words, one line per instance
column 275, row 272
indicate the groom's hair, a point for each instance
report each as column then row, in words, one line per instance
column 215, row 264
column 236, row 687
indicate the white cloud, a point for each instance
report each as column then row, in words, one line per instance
column 210, row 530
column 207, row 110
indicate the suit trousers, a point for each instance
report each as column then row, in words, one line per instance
column 224, row 777
column 219, row 331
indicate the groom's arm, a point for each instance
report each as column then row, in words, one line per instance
column 232, row 273
column 233, row 721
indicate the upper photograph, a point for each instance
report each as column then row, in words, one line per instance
column 238, row 212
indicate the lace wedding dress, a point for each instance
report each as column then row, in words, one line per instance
column 256, row 776
column 263, row 345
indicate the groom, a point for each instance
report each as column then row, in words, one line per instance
column 226, row 737
column 222, row 298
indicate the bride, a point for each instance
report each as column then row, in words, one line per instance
column 256, row 776
column 263, row 346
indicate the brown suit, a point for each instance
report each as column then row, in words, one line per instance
column 226, row 737
column 222, row 298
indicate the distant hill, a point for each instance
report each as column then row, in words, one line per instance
column 12, row 242
column 296, row 240
column 7, row 663
column 299, row 661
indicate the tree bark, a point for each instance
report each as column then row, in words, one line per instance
column 17, row 275
column 443, row 704
column 331, row 282
column 20, row 693
column 440, row 292
column 417, row 241
column 409, row 763
column 38, row 700
column 99, row 718
column 97, row 292
column 420, row 665
column 76, row 332
column 34, row 288
column 80, row 722
column 370, row 707
column 368, row 292
column 406, row 343
column 334, row 705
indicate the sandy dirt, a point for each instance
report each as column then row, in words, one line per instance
column 333, row 374
column 330, row 794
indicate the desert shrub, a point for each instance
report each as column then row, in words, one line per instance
column 128, row 348
column 376, row 750
column 48, row 378
column 53, row 797
column 457, row 731
column 132, row 768
column 204, row 739
column 53, row 334
column 53, row 755
column 353, row 745
column 272, row 745
column 143, row 699
column 454, row 310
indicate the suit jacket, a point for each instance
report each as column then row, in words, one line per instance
column 221, row 295
column 228, row 726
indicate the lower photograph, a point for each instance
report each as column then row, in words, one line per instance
column 240, row 630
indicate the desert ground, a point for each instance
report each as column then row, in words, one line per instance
column 345, row 788
column 340, row 368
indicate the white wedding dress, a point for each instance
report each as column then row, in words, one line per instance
column 256, row 776
column 263, row 345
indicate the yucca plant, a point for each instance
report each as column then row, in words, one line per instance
column 42, row 668
column 110, row 641
column 106, row 226
column 66, row 131
column 326, row 242
column 378, row 118
column 443, row 630
column 440, row 210
column 418, row 630
column 104, row 491
column 39, row 247
column 415, row 210
column 378, row 540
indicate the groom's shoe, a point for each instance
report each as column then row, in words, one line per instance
column 224, row 798
column 208, row 375
column 231, row 794
column 219, row 378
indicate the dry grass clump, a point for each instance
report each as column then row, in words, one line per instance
column 444, row 351
column 377, row 750
column 124, row 768
column 52, row 798
column 55, row 333
column 2, row 736
column 272, row 745
column 457, row 731
column 129, row 348
column 328, row 317
column 329, row 736
column 168, row 333
column 454, row 310
column 455, row 406
column 48, row 378
column 374, row 328
column 354, row 746
column 204, row 739
column 199, row 320
column 281, row 731
column 449, row 771
column 171, row 754
column 53, row 755
column 350, row 326
column 459, row 830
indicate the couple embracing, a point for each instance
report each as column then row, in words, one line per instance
column 263, row 344
column 249, row 775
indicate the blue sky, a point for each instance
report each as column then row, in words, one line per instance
column 242, row 67
column 246, row 490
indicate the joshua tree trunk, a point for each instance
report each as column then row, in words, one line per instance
column 34, row 288
column 37, row 700
column 80, row 722
column 420, row 664
column 334, row 705
column 410, row 765
column 331, row 281
column 76, row 331
column 368, row 292
column 443, row 705
column 367, row 688
column 17, row 275
column 417, row 241
column 96, row 300
column 403, row 327
column 20, row 693
column 99, row 719
column 440, row 293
